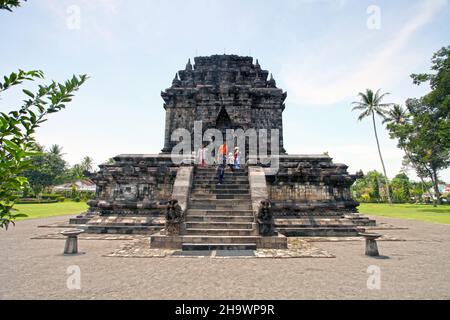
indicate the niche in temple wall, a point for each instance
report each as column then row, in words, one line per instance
column 125, row 191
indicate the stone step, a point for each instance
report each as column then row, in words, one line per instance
column 217, row 246
column 227, row 174
column 225, row 183
column 220, row 212
column 360, row 220
column 314, row 222
column 161, row 241
column 319, row 231
column 79, row 220
column 220, row 207
column 210, row 239
column 219, row 218
column 116, row 220
column 197, row 196
column 119, row 229
column 211, row 169
column 220, row 225
column 221, row 201
column 221, row 232
column 220, row 191
column 214, row 185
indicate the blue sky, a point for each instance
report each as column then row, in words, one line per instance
column 321, row 52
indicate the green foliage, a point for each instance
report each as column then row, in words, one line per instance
column 424, row 135
column 370, row 188
column 9, row 4
column 35, row 201
column 48, row 169
column 17, row 128
column 370, row 104
column 375, row 193
column 401, row 188
column 52, row 196
column 87, row 164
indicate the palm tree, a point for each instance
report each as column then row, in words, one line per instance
column 397, row 115
column 87, row 163
column 370, row 104
column 56, row 150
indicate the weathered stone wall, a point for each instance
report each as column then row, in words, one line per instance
column 311, row 184
column 134, row 184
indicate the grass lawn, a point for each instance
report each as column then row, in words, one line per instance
column 440, row 214
column 50, row 209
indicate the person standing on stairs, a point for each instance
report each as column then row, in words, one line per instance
column 222, row 161
column 201, row 154
column 230, row 161
column 237, row 158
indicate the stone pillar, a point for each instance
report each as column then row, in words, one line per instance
column 71, row 246
column 371, row 248
column 182, row 186
column 258, row 186
column 371, row 243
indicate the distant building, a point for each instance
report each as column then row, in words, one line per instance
column 446, row 189
column 80, row 185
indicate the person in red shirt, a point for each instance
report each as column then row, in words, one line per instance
column 222, row 155
column 223, row 151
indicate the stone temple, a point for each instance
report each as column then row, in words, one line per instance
column 180, row 205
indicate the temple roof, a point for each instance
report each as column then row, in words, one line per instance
column 223, row 70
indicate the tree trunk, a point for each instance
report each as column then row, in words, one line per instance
column 388, row 191
column 421, row 179
column 436, row 187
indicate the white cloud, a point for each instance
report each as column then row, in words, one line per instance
column 322, row 80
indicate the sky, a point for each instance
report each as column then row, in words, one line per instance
column 322, row 52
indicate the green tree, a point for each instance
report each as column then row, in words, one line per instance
column 425, row 138
column 49, row 168
column 401, row 185
column 370, row 188
column 17, row 128
column 399, row 117
column 375, row 193
column 76, row 172
column 87, row 164
column 56, row 150
column 370, row 104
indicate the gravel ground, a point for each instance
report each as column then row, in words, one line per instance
column 418, row 268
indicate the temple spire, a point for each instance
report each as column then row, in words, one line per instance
column 257, row 66
column 271, row 83
column 176, row 81
column 189, row 65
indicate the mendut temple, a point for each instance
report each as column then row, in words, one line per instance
column 180, row 205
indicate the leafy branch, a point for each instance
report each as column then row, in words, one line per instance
column 9, row 4
column 17, row 143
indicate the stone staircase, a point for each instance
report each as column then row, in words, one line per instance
column 220, row 217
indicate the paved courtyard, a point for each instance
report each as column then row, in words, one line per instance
column 417, row 268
